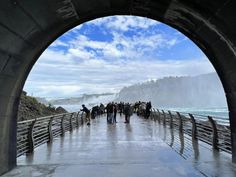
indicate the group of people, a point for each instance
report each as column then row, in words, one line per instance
column 141, row 108
column 123, row 108
column 97, row 111
column 111, row 109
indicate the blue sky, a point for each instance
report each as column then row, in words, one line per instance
column 106, row 54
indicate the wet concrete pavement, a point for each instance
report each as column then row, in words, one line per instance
column 140, row 149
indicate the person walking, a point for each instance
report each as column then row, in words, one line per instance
column 87, row 112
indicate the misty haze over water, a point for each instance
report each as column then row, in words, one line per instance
column 203, row 91
column 201, row 94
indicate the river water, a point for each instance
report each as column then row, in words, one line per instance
column 220, row 114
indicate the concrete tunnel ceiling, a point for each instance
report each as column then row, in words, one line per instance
column 28, row 27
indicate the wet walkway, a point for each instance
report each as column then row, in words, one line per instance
column 140, row 149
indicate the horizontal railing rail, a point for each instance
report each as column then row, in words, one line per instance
column 34, row 132
column 219, row 120
column 204, row 128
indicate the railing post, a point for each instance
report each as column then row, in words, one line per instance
column 50, row 134
column 164, row 117
column 180, row 122
column 172, row 137
column 31, row 137
column 77, row 120
column 214, row 133
column 71, row 122
column 159, row 116
column 171, row 119
column 195, row 148
column 62, row 126
column 194, row 127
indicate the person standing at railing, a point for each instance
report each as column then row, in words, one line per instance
column 87, row 112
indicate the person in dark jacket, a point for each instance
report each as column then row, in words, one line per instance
column 109, row 109
column 94, row 112
column 120, row 108
column 127, row 112
column 115, row 112
column 148, row 109
column 87, row 112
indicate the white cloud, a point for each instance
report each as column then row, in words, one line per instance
column 121, row 46
column 99, row 76
column 97, row 66
column 124, row 23
column 59, row 43
column 80, row 53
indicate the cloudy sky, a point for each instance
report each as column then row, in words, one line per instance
column 106, row 54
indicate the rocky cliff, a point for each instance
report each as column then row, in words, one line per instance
column 30, row 108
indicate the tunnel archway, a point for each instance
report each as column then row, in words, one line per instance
column 27, row 28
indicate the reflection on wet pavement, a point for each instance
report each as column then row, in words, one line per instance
column 208, row 161
column 143, row 148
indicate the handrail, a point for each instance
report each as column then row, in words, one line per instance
column 34, row 132
column 41, row 118
column 218, row 119
column 207, row 130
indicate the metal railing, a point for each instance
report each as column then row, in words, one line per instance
column 32, row 133
column 204, row 128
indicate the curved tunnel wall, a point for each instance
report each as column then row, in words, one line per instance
column 28, row 27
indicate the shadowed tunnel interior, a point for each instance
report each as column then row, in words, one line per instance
column 28, row 27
